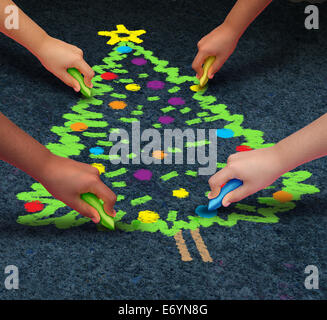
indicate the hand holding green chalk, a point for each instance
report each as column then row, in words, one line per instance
column 86, row 91
column 206, row 66
column 94, row 201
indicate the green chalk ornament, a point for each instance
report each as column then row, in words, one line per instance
column 94, row 201
column 86, row 91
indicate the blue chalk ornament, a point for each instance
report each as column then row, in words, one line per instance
column 203, row 212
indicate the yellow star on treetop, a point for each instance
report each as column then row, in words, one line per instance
column 121, row 29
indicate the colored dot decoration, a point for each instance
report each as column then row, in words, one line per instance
column 176, row 101
column 155, row 85
column 158, row 154
column 139, row 61
column 203, row 212
column 78, row 126
column 148, row 216
column 180, row 193
column 96, row 150
column 109, row 76
column 243, row 148
column 225, row 133
column 117, row 105
column 282, row 196
column 100, row 167
column 34, row 206
column 143, row 175
column 195, row 88
column 124, row 49
column 132, row 87
column 166, row 119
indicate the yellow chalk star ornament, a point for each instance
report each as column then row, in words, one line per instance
column 121, row 29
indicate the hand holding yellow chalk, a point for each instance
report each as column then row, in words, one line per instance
column 206, row 66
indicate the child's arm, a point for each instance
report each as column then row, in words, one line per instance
column 64, row 178
column 221, row 42
column 55, row 55
column 260, row 168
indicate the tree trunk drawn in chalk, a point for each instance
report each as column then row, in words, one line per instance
column 200, row 245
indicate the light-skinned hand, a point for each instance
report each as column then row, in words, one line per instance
column 57, row 56
column 256, row 168
column 221, row 43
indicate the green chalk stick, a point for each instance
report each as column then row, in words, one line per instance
column 207, row 64
column 93, row 201
column 86, row 91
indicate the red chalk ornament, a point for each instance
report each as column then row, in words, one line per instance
column 109, row 76
column 243, row 148
column 34, row 206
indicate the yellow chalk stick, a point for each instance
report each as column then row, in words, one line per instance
column 207, row 64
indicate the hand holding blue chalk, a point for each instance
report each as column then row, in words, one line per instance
column 228, row 187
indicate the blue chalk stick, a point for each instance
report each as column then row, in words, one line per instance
column 228, row 187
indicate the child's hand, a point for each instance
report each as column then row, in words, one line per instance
column 67, row 179
column 257, row 169
column 57, row 56
column 220, row 42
